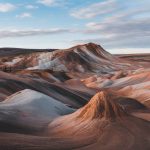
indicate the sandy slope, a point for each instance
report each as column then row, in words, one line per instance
column 135, row 86
column 105, row 121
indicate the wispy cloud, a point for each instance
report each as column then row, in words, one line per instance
column 123, row 28
column 6, row 7
column 32, row 32
column 121, row 34
column 47, row 2
column 95, row 9
column 53, row 2
column 31, row 6
column 24, row 15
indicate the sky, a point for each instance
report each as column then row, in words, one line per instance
column 119, row 26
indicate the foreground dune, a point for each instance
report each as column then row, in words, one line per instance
column 101, row 124
column 30, row 110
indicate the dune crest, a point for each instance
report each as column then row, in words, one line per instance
column 102, row 105
column 100, row 111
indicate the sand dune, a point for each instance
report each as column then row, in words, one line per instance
column 80, row 98
column 30, row 109
column 101, row 124
column 10, row 83
column 82, row 58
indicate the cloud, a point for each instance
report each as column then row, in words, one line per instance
column 95, row 9
column 31, row 7
column 128, row 27
column 53, row 2
column 24, row 15
column 47, row 2
column 32, row 32
column 6, row 7
column 118, row 42
column 128, row 34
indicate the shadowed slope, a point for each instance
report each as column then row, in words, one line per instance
column 10, row 84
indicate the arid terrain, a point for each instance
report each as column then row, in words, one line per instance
column 81, row 98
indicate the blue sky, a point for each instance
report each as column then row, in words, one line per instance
column 120, row 26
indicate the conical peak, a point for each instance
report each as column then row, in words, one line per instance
column 101, row 105
column 94, row 45
column 89, row 46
